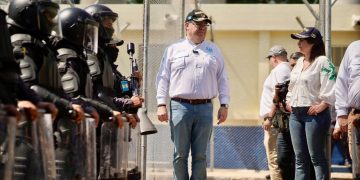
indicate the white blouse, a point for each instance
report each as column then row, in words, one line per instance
column 314, row 84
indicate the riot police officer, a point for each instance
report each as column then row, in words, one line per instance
column 111, row 87
column 13, row 91
column 109, row 81
column 78, row 33
column 30, row 25
column 8, row 100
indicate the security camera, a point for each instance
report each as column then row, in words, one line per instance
column 356, row 20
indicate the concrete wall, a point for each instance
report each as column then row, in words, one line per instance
column 245, row 33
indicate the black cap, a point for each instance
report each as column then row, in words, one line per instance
column 197, row 15
column 308, row 32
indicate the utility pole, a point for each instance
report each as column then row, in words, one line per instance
column 323, row 22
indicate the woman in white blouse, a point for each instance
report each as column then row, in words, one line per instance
column 311, row 92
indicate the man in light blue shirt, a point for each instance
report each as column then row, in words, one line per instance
column 192, row 73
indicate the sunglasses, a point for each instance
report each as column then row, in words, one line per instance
column 269, row 57
column 200, row 24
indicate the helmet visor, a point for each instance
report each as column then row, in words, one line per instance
column 91, row 30
column 116, row 37
column 110, row 24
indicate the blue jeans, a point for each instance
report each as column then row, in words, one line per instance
column 191, row 127
column 308, row 135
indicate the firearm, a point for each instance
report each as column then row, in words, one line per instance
column 281, row 89
column 133, row 80
column 146, row 126
column 134, row 67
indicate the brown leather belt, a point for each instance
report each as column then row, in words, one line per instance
column 192, row 101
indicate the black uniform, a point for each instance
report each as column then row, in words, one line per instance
column 77, row 23
column 121, row 96
column 37, row 60
column 108, row 81
column 12, row 89
column 72, row 64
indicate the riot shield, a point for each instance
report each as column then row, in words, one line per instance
column 134, row 155
column 88, row 141
column 27, row 164
column 46, row 145
column 7, row 145
column 113, row 151
column 67, row 149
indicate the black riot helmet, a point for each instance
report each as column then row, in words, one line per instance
column 106, row 18
column 33, row 15
column 7, row 61
column 79, row 28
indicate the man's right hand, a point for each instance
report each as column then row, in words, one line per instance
column 267, row 125
column 132, row 119
column 162, row 114
column 50, row 107
column 94, row 114
column 80, row 115
column 343, row 122
column 30, row 108
column 136, row 101
column 118, row 119
column 288, row 108
column 336, row 133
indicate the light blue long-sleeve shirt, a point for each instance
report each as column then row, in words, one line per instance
column 192, row 71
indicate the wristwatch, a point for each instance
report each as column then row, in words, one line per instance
column 224, row 105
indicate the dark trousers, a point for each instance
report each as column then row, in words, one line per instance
column 286, row 157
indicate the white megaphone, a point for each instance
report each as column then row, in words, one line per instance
column 146, row 126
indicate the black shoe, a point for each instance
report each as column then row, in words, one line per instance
column 267, row 177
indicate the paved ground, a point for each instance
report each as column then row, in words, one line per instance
column 234, row 174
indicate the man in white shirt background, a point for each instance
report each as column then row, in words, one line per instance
column 281, row 72
column 347, row 104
